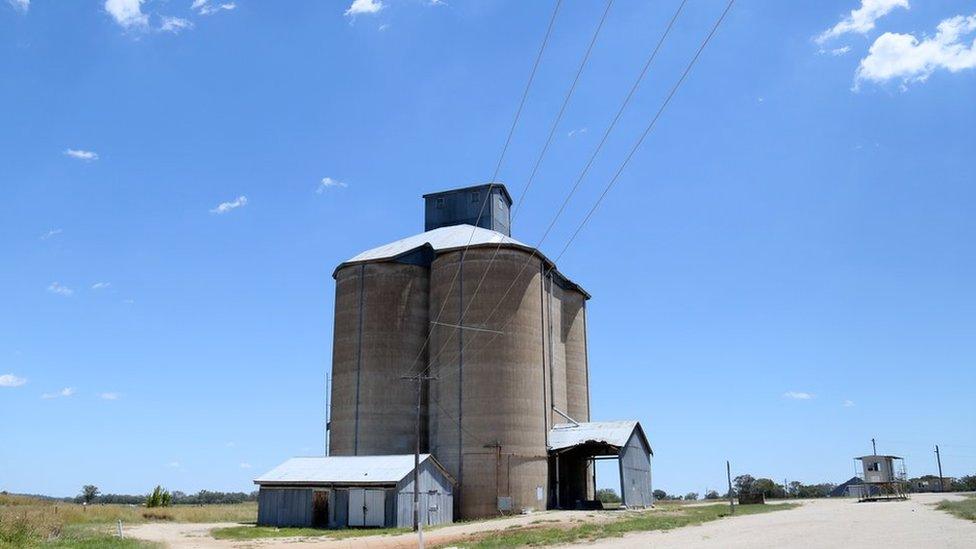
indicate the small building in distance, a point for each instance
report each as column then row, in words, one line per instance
column 931, row 483
column 880, row 474
column 354, row 491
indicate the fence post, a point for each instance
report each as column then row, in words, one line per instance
column 121, row 535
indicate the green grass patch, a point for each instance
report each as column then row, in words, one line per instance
column 965, row 509
column 248, row 532
column 75, row 537
column 661, row 519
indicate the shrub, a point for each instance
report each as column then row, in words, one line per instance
column 159, row 498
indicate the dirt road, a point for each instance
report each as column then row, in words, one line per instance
column 817, row 523
column 826, row 523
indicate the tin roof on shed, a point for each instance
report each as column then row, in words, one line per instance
column 344, row 470
column 612, row 433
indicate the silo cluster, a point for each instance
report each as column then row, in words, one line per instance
column 499, row 329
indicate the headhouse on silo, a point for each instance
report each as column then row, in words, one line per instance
column 503, row 334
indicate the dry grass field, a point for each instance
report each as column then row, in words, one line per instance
column 31, row 522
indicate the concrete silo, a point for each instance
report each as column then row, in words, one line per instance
column 380, row 327
column 487, row 410
column 509, row 371
column 577, row 368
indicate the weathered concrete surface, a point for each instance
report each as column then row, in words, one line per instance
column 494, row 385
column 380, row 327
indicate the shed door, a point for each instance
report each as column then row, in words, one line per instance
column 357, row 506
column 375, row 508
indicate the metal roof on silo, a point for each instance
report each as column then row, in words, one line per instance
column 444, row 239
column 344, row 470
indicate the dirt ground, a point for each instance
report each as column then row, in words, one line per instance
column 197, row 536
column 817, row 523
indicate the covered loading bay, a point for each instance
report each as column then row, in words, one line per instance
column 573, row 448
column 354, row 491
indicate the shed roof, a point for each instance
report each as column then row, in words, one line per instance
column 613, row 433
column 344, row 470
column 444, row 239
column 878, row 456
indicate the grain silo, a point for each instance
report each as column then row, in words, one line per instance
column 507, row 347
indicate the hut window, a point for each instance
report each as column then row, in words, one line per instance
column 440, row 202
column 876, row 466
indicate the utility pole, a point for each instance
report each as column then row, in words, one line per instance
column 417, row 526
column 728, row 473
column 938, row 458
column 874, row 449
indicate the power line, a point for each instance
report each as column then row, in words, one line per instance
column 498, row 165
column 535, row 169
column 582, row 174
column 649, row 127
column 627, row 159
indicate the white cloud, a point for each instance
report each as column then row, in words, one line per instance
column 127, row 13
column 904, row 57
column 49, row 234
column 383, row 27
column 579, row 131
column 245, row 465
column 328, row 183
column 173, row 464
column 60, row 289
column 797, row 395
column 175, row 25
column 100, row 285
column 22, row 5
column 225, row 207
column 66, row 392
column 839, row 51
column 205, row 7
column 10, row 380
column 108, row 396
column 436, row 3
column 87, row 156
column 360, row 7
column 862, row 19
column 848, row 404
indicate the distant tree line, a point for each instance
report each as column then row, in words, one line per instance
column 159, row 497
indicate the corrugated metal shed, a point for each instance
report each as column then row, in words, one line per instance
column 614, row 433
column 342, row 470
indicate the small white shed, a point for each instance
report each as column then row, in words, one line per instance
column 354, row 491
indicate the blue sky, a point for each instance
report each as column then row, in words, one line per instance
column 783, row 271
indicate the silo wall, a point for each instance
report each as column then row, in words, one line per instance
column 577, row 377
column 380, row 327
column 555, row 335
column 487, row 410
column 574, row 344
